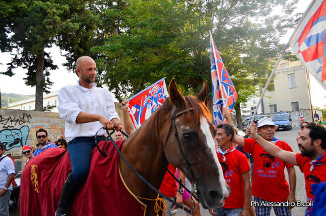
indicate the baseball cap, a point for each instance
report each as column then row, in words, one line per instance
column 265, row 121
column 27, row 148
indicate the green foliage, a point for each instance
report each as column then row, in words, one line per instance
column 162, row 38
column 31, row 26
column 11, row 98
column 137, row 42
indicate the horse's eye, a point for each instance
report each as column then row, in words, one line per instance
column 187, row 136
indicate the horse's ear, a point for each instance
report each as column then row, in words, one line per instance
column 202, row 95
column 175, row 96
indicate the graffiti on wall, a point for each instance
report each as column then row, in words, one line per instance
column 14, row 137
column 17, row 131
column 13, row 121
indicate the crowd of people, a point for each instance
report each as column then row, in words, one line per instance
column 253, row 166
column 7, row 165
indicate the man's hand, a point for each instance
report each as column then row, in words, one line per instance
column 106, row 123
column 291, row 198
column 2, row 191
column 245, row 212
column 124, row 105
column 251, row 130
column 116, row 124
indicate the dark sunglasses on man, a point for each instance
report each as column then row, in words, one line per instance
column 39, row 137
column 27, row 152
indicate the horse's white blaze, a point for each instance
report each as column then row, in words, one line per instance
column 211, row 145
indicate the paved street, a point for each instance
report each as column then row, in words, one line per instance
column 290, row 138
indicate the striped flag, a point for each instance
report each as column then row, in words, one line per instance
column 143, row 104
column 308, row 41
column 224, row 93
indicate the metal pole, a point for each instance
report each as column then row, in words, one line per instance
column 291, row 40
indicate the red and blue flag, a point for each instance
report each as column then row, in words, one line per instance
column 143, row 104
column 309, row 40
column 224, row 93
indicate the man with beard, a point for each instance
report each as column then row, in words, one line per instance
column 311, row 160
column 86, row 109
column 43, row 142
column 278, row 188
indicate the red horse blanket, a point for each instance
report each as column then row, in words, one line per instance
column 104, row 192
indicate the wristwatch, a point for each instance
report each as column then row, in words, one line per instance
column 181, row 190
column 5, row 188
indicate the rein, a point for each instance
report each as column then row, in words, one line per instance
column 175, row 132
column 135, row 172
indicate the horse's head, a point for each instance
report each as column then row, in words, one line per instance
column 190, row 146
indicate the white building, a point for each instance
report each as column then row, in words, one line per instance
column 291, row 94
column 29, row 104
column 291, row 89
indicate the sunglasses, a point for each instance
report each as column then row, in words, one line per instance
column 39, row 137
column 304, row 126
column 265, row 127
column 27, row 152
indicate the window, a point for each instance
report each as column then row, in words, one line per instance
column 295, row 106
column 291, row 79
column 273, row 108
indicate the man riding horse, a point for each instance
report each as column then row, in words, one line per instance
column 85, row 108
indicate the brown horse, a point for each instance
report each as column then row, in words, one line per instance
column 180, row 132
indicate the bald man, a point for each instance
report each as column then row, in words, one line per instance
column 85, row 109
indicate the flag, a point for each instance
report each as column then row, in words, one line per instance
column 143, row 104
column 308, row 41
column 224, row 93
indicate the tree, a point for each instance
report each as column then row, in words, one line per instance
column 32, row 26
column 161, row 38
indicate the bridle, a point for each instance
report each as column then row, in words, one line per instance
column 176, row 137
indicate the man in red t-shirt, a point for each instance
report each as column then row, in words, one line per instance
column 236, row 172
column 269, row 183
column 311, row 160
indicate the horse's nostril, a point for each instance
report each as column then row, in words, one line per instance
column 215, row 194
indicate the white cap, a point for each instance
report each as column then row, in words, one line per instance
column 265, row 121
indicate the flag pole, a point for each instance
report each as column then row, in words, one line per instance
column 266, row 85
column 294, row 35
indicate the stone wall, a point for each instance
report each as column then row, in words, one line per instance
column 18, row 128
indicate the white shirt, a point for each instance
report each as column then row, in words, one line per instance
column 76, row 99
column 7, row 167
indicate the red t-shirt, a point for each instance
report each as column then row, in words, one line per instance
column 314, row 175
column 268, row 180
column 234, row 166
column 169, row 186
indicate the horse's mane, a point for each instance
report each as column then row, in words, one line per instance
column 163, row 114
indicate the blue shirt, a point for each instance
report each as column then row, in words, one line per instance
column 43, row 148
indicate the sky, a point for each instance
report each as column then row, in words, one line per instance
column 62, row 77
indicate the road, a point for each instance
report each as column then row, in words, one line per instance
column 290, row 138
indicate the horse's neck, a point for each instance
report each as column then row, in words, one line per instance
column 144, row 151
